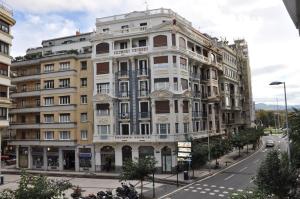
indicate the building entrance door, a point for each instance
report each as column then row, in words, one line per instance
column 166, row 160
column 69, row 159
column 23, row 157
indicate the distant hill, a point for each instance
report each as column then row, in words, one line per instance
column 269, row 107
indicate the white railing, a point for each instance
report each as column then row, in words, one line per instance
column 137, row 50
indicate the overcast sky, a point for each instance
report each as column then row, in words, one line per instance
column 273, row 40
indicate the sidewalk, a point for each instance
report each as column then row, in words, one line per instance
column 224, row 162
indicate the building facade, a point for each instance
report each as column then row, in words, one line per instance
column 156, row 82
column 51, row 122
column 133, row 88
column 6, row 23
column 293, row 8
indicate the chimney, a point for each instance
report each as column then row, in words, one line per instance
column 77, row 33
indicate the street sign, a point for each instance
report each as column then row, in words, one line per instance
column 184, row 144
column 183, row 155
column 186, row 150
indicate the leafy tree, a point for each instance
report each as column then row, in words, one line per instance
column 275, row 176
column 37, row 187
column 217, row 150
column 199, row 154
column 238, row 141
column 294, row 119
column 138, row 170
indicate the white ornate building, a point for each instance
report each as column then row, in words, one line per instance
column 156, row 82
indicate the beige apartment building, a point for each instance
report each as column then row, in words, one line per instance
column 133, row 88
column 52, row 118
column 6, row 23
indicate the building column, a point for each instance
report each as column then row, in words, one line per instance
column 93, row 168
column 157, row 155
column 97, row 159
column 135, row 151
column 45, row 163
column 60, row 159
column 118, row 157
column 29, row 158
column 76, row 158
column 17, row 157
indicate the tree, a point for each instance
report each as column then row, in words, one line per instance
column 250, row 194
column 238, row 141
column 275, row 176
column 294, row 119
column 138, row 170
column 37, row 187
column 199, row 154
column 217, row 150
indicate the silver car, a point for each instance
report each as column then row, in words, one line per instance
column 270, row 143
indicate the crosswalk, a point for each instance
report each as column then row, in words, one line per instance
column 213, row 190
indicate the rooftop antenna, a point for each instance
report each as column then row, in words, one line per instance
column 147, row 6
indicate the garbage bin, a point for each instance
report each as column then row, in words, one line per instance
column 186, row 175
column 1, row 179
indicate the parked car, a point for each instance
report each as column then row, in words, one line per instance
column 270, row 143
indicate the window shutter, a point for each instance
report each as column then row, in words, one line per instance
column 160, row 60
column 162, row 106
column 102, row 68
column 160, row 40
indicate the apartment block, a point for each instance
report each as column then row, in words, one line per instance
column 6, row 23
column 157, row 81
column 52, row 118
column 133, row 88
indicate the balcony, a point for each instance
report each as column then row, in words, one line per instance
column 27, row 92
column 26, row 109
column 102, row 113
column 131, row 51
column 65, row 125
column 198, row 57
column 124, row 94
column 27, row 76
column 37, row 142
column 123, row 74
column 196, row 114
column 124, row 116
column 143, row 93
column 144, row 115
column 197, row 94
column 17, row 125
column 142, row 72
column 61, row 90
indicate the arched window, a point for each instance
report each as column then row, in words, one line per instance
column 182, row 43
column 102, row 48
column 107, row 158
column 160, row 40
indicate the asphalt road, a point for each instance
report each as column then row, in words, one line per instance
column 232, row 180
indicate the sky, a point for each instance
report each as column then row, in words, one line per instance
column 273, row 40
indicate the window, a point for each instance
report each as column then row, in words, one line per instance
column 143, row 24
column 3, row 69
column 174, row 60
column 102, row 47
column 49, row 118
column 161, row 83
column 4, row 48
column 143, row 88
column 142, row 42
column 64, row 83
column 185, row 127
column 177, row 128
column 163, row 129
column 173, row 40
column 48, row 84
column 64, row 135
column 102, row 68
column 105, row 29
column 123, row 45
column 185, row 108
column 64, row 100
column 49, row 135
column 64, row 118
column 83, row 65
column 4, row 26
column 176, row 106
column 175, row 84
column 48, row 101
column 3, row 113
column 83, row 82
column 83, row 117
column 160, row 40
column 184, row 84
column 145, row 128
column 84, row 134
column 182, row 43
column 37, row 102
column 103, row 129
column 83, row 99
column 103, row 88
column 37, row 86
column 214, row 74
column 102, row 109
column 183, row 63
column 160, row 60
column 162, row 107
column 143, row 68
column 64, row 65
column 48, row 68
column 124, row 88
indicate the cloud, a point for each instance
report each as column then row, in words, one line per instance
column 272, row 38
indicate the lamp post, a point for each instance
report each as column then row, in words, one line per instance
column 286, row 118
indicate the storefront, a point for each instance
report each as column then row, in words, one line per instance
column 52, row 158
column 85, row 159
column 37, row 157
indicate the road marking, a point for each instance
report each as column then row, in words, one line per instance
column 221, row 187
column 192, row 187
column 229, row 177
column 186, row 189
column 230, row 188
column 250, row 192
column 202, row 192
column 210, row 176
column 225, row 192
column 212, row 194
column 221, row 195
column 205, row 185
column 216, row 191
column 240, row 190
column 199, row 188
column 207, row 189
column 235, row 194
column 213, row 186
column 194, row 190
column 243, row 169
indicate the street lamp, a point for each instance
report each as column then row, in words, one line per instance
column 286, row 117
